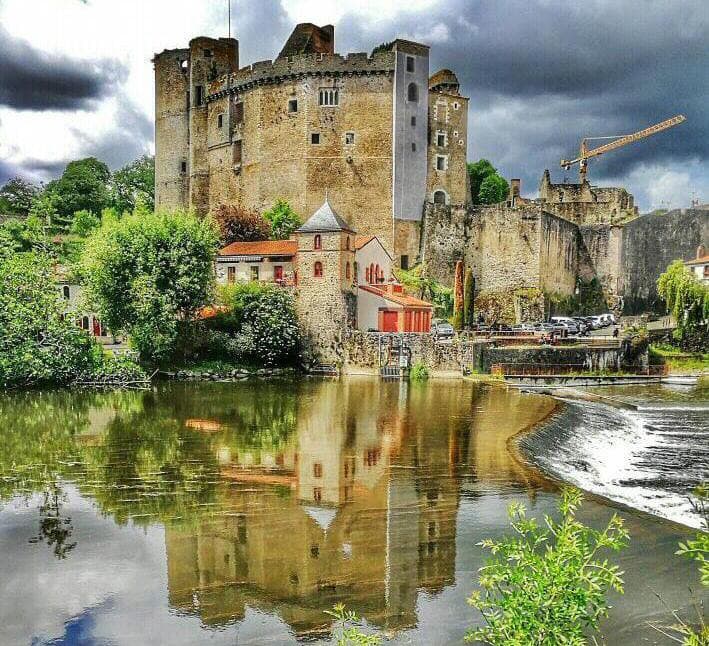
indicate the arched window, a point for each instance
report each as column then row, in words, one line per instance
column 413, row 92
column 347, row 270
column 376, row 274
column 317, row 269
column 439, row 197
column 348, row 243
column 66, row 292
column 317, row 242
column 372, row 277
column 356, row 271
column 85, row 323
column 366, row 274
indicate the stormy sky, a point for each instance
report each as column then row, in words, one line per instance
column 76, row 77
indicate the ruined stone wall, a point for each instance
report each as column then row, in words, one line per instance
column 650, row 243
column 600, row 256
column 558, row 255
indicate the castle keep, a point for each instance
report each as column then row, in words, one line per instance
column 373, row 131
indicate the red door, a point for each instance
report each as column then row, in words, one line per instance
column 97, row 327
column 278, row 273
column 390, row 321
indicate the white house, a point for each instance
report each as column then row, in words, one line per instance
column 269, row 261
column 70, row 293
column 700, row 264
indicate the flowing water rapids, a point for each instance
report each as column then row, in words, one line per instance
column 649, row 458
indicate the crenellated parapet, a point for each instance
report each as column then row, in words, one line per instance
column 294, row 68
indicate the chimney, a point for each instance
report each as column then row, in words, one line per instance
column 515, row 186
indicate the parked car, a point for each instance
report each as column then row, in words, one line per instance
column 565, row 322
column 583, row 325
column 442, row 329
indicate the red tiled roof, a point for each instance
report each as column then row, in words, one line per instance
column 360, row 241
column 398, row 298
column 698, row 261
column 261, row 248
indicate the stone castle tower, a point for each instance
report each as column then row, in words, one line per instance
column 326, row 295
column 373, row 128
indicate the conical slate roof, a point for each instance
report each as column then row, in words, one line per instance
column 325, row 219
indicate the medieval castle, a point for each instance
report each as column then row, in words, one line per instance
column 385, row 143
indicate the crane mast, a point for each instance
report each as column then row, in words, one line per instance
column 620, row 140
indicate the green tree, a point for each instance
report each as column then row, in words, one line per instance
column 145, row 272
column 687, row 299
column 16, row 197
column 37, row 345
column 237, row 224
column 83, row 223
column 479, row 172
column 134, row 184
column 494, row 189
column 547, row 586
column 468, row 299
column 82, row 186
column 458, row 296
column 283, row 220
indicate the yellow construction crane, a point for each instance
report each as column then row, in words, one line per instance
column 620, row 140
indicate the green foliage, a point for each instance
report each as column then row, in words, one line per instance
column 486, row 185
column 419, row 283
column 469, row 298
column 146, row 272
column 547, row 585
column 383, row 47
column 347, row 632
column 687, row 300
column 134, row 184
column 493, row 189
column 37, row 344
column 259, row 325
column 698, row 548
column 17, row 196
column 283, row 220
column 44, row 210
column 82, row 186
column 636, row 340
column 83, row 223
column 588, row 301
column 419, row 371
column 240, row 225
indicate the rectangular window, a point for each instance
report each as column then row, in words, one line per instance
column 254, row 272
column 404, row 262
column 410, row 65
column 349, row 138
column 199, row 95
column 231, row 275
column 315, row 138
column 183, row 166
column 239, row 112
column 317, row 494
column 237, row 151
column 441, row 162
column 413, row 122
column 440, row 139
column 293, row 105
column 220, row 121
column 413, row 146
column 329, row 97
column 317, row 470
column 189, row 105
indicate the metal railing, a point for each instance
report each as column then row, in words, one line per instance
column 580, row 369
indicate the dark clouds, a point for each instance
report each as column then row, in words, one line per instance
column 541, row 75
column 34, row 80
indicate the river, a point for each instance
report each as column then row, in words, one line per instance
column 228, row 513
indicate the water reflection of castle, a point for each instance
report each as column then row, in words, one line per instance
column 360, row 507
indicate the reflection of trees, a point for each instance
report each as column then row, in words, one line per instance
column 54, row 529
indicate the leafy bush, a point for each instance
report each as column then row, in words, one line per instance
column 83, row 223
column 547, row 586
column 37, row 344
column 283, row 220
column 419, row 372
column 417, row 282
column 347, row 632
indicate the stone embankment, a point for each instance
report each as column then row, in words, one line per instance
column 239, row 374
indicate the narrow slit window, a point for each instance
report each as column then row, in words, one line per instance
column 292, row 105
column 220, row 121
column 410, row 64
column 349, row 138
column 317, row 270
column 199, row 95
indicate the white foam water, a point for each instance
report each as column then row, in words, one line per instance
column 649, row 459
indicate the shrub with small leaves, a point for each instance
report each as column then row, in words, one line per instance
column 547, row 585
column 347, row 632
